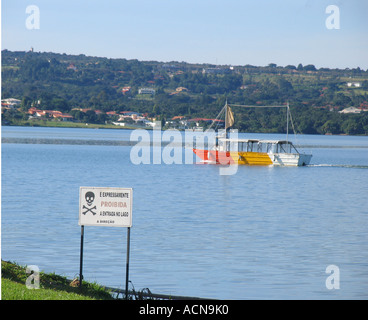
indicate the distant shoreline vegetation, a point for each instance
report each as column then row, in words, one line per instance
column 71, row 125
column 49, row 89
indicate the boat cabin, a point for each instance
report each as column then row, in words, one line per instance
column 253, row 145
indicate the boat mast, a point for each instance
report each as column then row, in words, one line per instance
column 287, row 122
column 226, row 106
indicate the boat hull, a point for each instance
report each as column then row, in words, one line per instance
column 252, row 158
column 291, row 159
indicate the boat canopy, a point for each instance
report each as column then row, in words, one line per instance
column 256, row 141
column 256, row 145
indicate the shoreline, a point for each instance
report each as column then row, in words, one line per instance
column 109, row 126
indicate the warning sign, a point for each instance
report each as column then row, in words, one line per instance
column 111, row 207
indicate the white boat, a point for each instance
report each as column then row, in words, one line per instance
column 252, row 151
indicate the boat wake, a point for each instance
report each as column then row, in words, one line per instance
column 354, row 166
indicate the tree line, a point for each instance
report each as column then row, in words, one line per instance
column 65, row 82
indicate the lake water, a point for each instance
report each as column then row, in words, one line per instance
column 262, row 233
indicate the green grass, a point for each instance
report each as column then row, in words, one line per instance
column 65, row 124
column 51, row 286
column 17, row 291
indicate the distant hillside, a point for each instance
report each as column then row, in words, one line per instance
column 164, row 90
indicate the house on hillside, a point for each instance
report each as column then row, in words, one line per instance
column 129, row 113
column 147, row 91
column 354, row 84
column 181, row 89
column 37, row 113
column 72, row 67
column 132, row 117
column 10, row 103
column 178, row 118
column 216, row 70
column 63, row 116
column 125, row 90
column 199, row 121
column 350, row 110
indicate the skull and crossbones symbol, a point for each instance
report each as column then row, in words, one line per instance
column 90, row 197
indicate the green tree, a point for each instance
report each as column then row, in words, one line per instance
column 59, row 104
column 90, row 117
column 331, row 126
column 310, row 67
column 26, row 103
column 351, row 127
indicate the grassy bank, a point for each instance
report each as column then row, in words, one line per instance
column 51, row 286
column 66, row 124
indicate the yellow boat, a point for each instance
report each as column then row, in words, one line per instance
column 252, row 151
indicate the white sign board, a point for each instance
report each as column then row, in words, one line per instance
column 108, row 207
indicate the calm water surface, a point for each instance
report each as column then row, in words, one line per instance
column 263, row 233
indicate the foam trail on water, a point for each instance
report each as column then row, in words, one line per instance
column 355, row 166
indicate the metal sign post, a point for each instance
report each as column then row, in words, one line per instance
column 110, row 207
column 81, row 258
column 127, row 264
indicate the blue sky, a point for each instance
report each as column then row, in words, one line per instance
column 232, row 32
